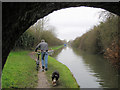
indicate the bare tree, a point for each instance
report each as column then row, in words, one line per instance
column 106, row 14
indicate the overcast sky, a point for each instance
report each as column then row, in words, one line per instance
column 73, row 22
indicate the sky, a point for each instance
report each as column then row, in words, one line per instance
column 72, row 22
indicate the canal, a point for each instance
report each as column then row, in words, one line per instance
column 90, row 71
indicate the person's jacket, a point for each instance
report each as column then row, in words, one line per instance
column 43, row 46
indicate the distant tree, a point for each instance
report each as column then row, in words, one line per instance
column 37, row 32
column 104, row 15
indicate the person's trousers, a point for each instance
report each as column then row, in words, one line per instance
column 44, row 59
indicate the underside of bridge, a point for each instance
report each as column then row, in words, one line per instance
column 18, row 17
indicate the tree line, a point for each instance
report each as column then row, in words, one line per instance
column 33, row 36
column 102, row 39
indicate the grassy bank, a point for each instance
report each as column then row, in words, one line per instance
column 66, row 78
column 56, row 47
column 19, row 71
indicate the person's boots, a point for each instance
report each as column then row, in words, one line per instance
column 42, row 68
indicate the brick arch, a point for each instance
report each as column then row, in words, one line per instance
column 18, row 17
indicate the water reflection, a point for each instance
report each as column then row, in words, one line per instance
column 100, row 68
column 90, row 71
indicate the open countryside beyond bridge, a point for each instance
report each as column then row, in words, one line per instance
column 73, row 22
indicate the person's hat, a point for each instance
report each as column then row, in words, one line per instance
column 42, row 40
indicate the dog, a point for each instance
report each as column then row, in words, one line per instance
column 55, row 77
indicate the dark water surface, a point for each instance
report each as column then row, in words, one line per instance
column 90, row 71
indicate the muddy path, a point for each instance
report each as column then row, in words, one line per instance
column 42, row 79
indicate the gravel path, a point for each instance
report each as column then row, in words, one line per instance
column 42, row 79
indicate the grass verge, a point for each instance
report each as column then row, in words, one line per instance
column 19, row 71
column 66, row 78
column 56, row 47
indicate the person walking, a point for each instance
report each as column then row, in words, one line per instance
column 44, row 53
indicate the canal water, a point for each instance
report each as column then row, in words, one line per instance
column 90, row 71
